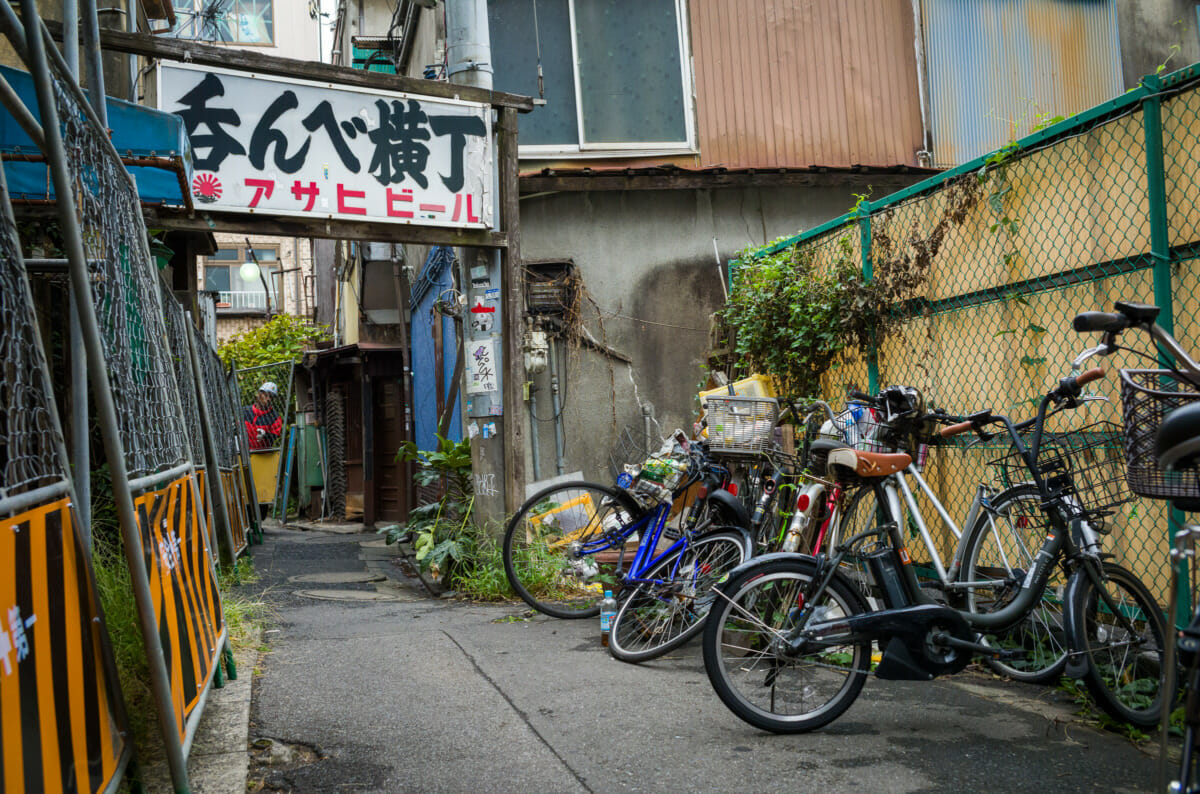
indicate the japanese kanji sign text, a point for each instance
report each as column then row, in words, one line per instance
column 263, row 144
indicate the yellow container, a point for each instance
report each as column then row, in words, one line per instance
column 753, row 386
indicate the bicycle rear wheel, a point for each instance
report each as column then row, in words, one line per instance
column 564, row 544
column 761, row 684
column 1120, row 628
column 657, row 618
column 998, row 552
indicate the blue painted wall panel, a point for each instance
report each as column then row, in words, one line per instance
column 437, row 275
column 996, row 67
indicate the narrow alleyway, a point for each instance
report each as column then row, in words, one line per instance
column 372, row 685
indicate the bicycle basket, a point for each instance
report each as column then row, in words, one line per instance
column 740, row 425
column 629, row 449
column 1084, row 467
column 1147, row 396
column 655, row 479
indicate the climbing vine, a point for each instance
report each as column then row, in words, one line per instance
column 793, row 317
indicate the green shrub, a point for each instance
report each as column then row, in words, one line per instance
column 283, row 338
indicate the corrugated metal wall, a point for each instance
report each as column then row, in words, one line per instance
column 794, row 84
column 994, row 65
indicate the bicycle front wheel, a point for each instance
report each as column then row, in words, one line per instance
column 659, row 617
column 1120, row 628
column 562, row 546
column 761, row 682
column 998, row 552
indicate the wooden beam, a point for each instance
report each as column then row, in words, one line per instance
column 540, row 183
column 512, row 295
column 286, row 226
column 204, row 54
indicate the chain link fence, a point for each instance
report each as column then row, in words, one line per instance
column 1102, row 207
column 266, row 399
column 178, row 328
column 30, row 441
column 127, row 296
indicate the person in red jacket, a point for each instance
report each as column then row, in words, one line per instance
column 263, row 422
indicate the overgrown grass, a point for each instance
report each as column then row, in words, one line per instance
column 245, row 614
column 480, row 575
column 244, row 617
column 115, row 587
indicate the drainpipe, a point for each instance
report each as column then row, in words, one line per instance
column 647, row 418
column 558, row 434
column 533, row 432
column 925, row 153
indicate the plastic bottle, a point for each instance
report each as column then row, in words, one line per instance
column 608, row 610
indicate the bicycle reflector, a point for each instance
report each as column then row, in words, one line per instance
column 802, row 502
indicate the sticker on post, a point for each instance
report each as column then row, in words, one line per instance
column 481, row 366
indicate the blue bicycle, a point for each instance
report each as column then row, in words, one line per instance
column 660, row 539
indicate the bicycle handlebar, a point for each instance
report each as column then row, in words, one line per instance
column 1084, row 378
column 1131, row 315
column 1109, row 322
column 955, row 429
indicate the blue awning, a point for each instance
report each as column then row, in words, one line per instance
column 153, row 145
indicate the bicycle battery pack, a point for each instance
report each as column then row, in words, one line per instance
column 885, row 570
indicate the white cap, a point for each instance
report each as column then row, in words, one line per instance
column 269, row 387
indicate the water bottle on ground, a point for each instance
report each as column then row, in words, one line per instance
column 608, row 610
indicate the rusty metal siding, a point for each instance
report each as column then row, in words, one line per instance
column 781, row 83
column 995, row 65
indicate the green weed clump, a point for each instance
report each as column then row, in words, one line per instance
column 245, row 615
column 115, row 588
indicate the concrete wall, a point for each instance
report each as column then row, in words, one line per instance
column 1148, row 29
column 650, row 270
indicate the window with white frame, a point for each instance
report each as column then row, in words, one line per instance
column 243, row 291
column 233, row 21
column 615, row 77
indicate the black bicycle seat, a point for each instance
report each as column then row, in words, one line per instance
column 1177, row 442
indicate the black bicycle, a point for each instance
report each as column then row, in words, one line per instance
column 1161, row 411
column 787, row 645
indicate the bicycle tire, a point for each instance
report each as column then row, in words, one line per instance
column 1187, row 777
column 1000, row 548
column 539, row 561
column 1124, row 672
column 657, row 618
column 771, row 691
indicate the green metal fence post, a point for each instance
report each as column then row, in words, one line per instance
column 868, row 271
column 1160, row 250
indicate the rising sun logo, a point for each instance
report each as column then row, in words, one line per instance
column 207, row 188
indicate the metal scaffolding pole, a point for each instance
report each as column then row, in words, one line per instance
column 98, row 371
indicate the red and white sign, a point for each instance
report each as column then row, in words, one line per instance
column 294, row 147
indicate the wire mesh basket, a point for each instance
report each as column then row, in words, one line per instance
column 1147, row 396
column 740, row 425
column 629, row 448
column 1084, row 467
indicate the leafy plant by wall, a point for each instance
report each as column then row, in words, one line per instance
column 283, row 338
column 793, row 317
column 443, row 532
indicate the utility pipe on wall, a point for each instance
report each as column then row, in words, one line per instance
column 919, row 46
column 558, row 433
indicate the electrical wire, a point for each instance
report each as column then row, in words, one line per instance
column 662, row 325
column 537, row 39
